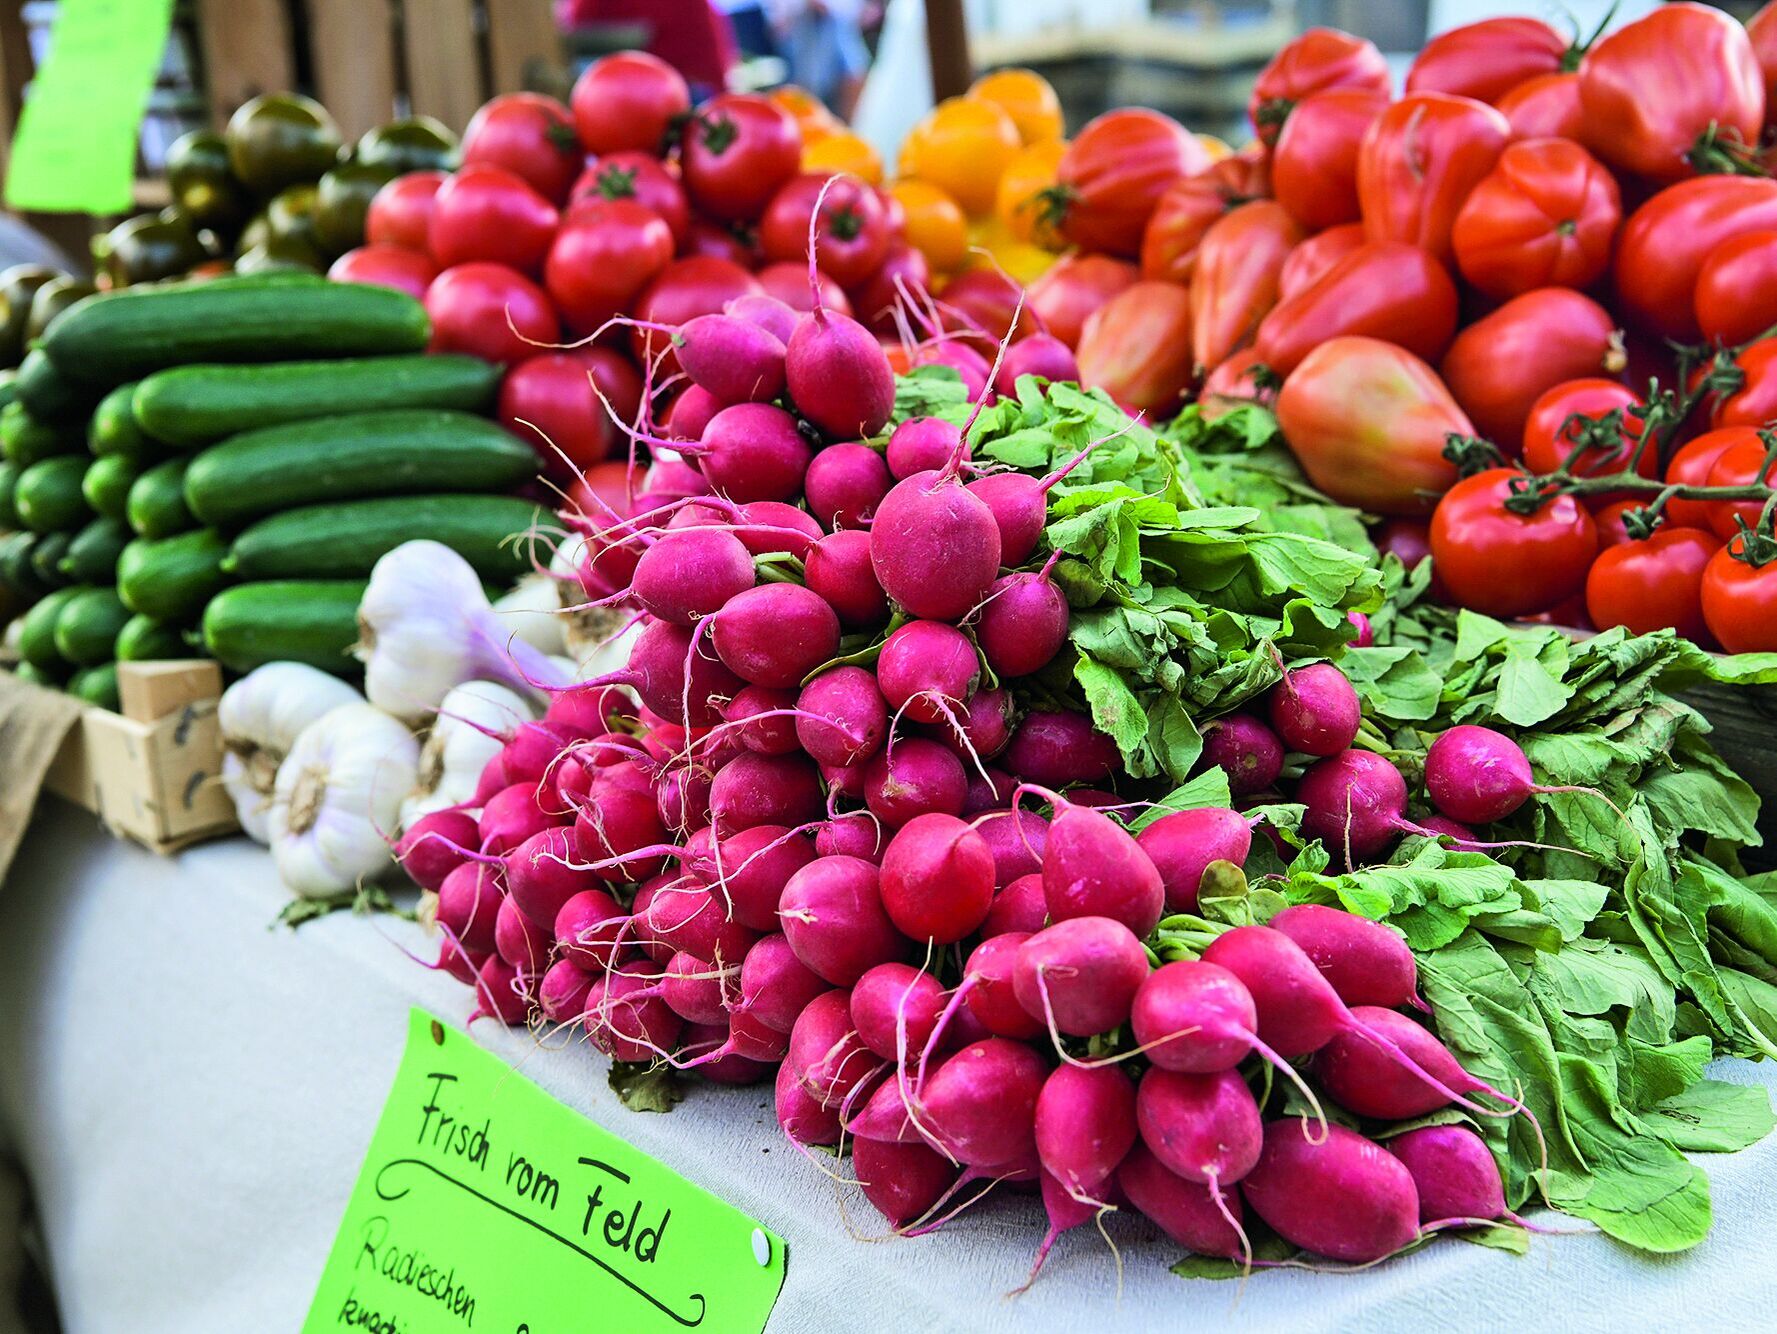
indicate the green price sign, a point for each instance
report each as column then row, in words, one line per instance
column 484, row 1204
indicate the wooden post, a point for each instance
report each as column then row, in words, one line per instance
column 247, row 49
column 521, row 44
column 443, row 60
column 353, row 42
column 15, row 73
column 947, row 46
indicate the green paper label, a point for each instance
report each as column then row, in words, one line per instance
column 484, row 1204
column 75, row 150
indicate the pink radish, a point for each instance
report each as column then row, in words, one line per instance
column 833, row 916
column 753, row 866
column 775, row 634
column 1019, row 907
column 1061, row 747
column 511, row 816
column 1184, row 1210
column 1246, row 750
column 923, row 444
column 1182, row 846
column 837, row 373
column 1085, row 1124
column 1093, row 868
column 989, row 989
column 728, row 1066
column 825, row 1051
column 1366, row 962
column 677, row 679
column 694, row 921
column 857, row 834
column 764, row 789
column 1040, row 354
column 562, row 990
column 1023, row 624
column 775, row 985
column 1337, row 1194
column 1453, row 1172
column 842, row 717
column 540, row 877
column 770, row 314
column 696, row 990
column 502, row 992
column 926, row 668
column 934, row 546
column 520, row 941
column 1367, row 1079
column 1478, row 776
column 434, row 845
column 753, row 451
column 760, row 719
column 937, row 879
column 990, row 789
column 591, row 929
column 901, row 1181
column 735, row 359
column 467, row 902
column 1204, row 1128
column 895, row 1008
column 845, row 484
column 981, row 1103
column 622, row 1022
column 1315, row 710
column 1356, row 802
column 690, row 416
column 913, row 777
column 689, row 573
column 1016, row 839
column 803, row 1118
column 1081, row 975
column 1019, row 504
column 839, row 569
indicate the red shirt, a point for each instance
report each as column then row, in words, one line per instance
column 689, row 35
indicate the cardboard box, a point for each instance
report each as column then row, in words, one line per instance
column 154, row 771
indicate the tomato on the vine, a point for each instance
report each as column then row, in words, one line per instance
column 1546, row 107
column 1549, row 436
column 1740, row 601
column 1419, row 162
column 1754, row 403
column 638, row 176
column 1114, row 171
column 1319, row 59
column 850, row 239
column 530, row 135
column 1663, row 244
column 739, row 150
column 1314, row 166
column 1654, row 88
column 628, row 101
column 1741, row 463
column 1652, row 583
column 1545, row 216
column 1691, row 465
column 1736, row 295
column 1612, row 530
column 1486, row 60
column 1508, row 564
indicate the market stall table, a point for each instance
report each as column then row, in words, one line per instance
column 190, row 1090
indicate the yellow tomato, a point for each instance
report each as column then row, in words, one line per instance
column 1218, row 148
column 811, row 114
column 962, row 147
column 1019, row 204
column 842, row 151
column 993, row 246
column 936, row 226
column 1027, row 98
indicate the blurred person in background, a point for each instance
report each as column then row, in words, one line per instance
column 822, row 42
column 690, row 35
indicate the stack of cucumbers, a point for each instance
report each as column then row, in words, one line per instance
column 252, row 446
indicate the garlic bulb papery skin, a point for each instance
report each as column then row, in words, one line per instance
column 532, row 612
column 261, row 715
column 457, row 748
column 337, row 799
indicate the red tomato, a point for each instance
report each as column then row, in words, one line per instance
column 637, row 176
column 1762, row 29
column 1114, row 172
column 1502, row 363
column 1308, row 261
column 1319, row 59
column 1691, row 465
column 1170, row 242
column 484, row 213
column 1740, row 464
column 710, row 240
column 1755, row 402
column 605, row 490
column 1612, row 530
column 1654, row 87
column 491, row 312
column 1736, row 295
column 1391, row 291
column 1486, row 60
column 1368, row 421
column 1740, row 601
column 1418, row 163
column 401, row 211
column 1073, row 288
column 628, row 101
column 1545, row 216
column 602, row 257
column 1314, row 166
column 851, row 238
column 1665, row 241
column 1507, row 564
column 788, row 282
column 685, row 289
column 739, row 150
column 548, row 402
column 1652, row 584
column 904, row 277
column 531, row 136
column 1549, row 435
column 616, row 377
column 1546, row 107
column 409, row 271
column 1137, row 347
column 986, row 301
column 1231, row 385
column 1237, row 271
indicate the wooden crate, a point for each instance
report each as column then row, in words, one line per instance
column 152, row 772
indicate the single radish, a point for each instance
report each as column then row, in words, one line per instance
column 775, row 985
column 937, row 879
column 1182, row 846
column 1016, row 838
column 803, row 1118
column 837, row 373
column 934, row 546
column 1023, row 624
column 1453, row 1172
column 833, row 916
column 625, row 1017
column 1315, row 709
column 1204, row 1128
column 734, row 359
column 895, row 1009
column 842, row 717
column 1081, row 975
column 562, row 991
column 1060, row 747
column 913, row 777
column 1477, row 776
column 520, row 941
column 1366, row 962
column 979, row 730
column 1093, row 868
column 1366, row 1078
column 468, row 898
column 1019, row 907
column 765, row 789
column 989, row 991
column 923, row 444
column 926, row 667
column 981, row 1104
column 825, row 1051
column 838, row 567
column 591, row 929
column 1019, row 504
column 1334, row 1193
column 697, row 991
column 844, row 485
column 751, row 867
column 1040, row 354
column 775, row 634
column 1184, row 1210
column 1085, row 1124
column 434, row 845
column 902, row 1181
column 762, row 720
column 1246, row 750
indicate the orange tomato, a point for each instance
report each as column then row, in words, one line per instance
column 1217, row 148
column 936, row 226
column 1018, row 203
column 842, row 151
column 1027, row 98
column 963, row 147
column 993, row 245
column 808, row 111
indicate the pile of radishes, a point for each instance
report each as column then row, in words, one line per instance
column 812, row 826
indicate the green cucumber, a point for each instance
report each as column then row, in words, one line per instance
column 156, row 506
column 24, row 440
column 344, row 541
column 173, row 578
column 194, row 405
column 124, row 335
column 93, row 552
column 96, row 685
column 113, row 430
column 47, row 553
column 37, row 676
column 107, row 483
column 87, row 628
column 144, row 639
column 37, row 630
column 52, row 394
column 9, row 480
column 358, row 455
column 298, row 621
column 48, row 496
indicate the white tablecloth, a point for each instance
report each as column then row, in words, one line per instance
column 191, row 1091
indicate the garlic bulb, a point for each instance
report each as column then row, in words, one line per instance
column 337, row 797
column 532, row 611
column 458, row 747
column 261, row 716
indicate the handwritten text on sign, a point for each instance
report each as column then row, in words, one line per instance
column 484, row 1204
